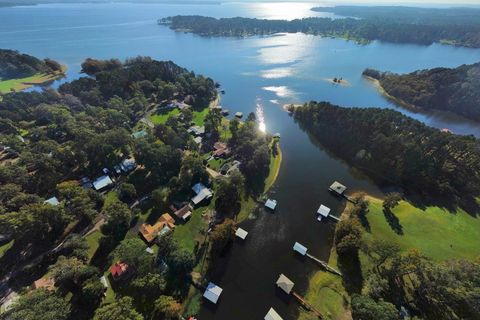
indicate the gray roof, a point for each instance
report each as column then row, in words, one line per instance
column 285, row 284
column 338, row 187
column 272, row 315
column 213, row 292
column 102, row 182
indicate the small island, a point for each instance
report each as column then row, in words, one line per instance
column 453, row 90
column 20, row 71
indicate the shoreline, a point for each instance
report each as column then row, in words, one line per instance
column 376, row 83
column 20, row 84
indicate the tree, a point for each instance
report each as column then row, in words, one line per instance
column 365, row 308
column 132, row 252
column 121, row 309
column 117, row 219
column 391, row 200
column 381, row 250
column 213, row 119
column 76, row 246
column 71, row 271
column 221, row 236
column 77, row 200
column 348, row 236
column 167, row 308
column 40, row 304
column 160, row 197
column 228, row 194
column 92, row 293
column 127, row 192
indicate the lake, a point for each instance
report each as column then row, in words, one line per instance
column 256, row 73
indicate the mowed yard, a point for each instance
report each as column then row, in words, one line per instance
column 435, row 232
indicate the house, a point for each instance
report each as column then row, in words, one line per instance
column 337, row 188
column 239, row 115
column 224, row 169
column 198, row 140
column 163, row 225
column 242, row 234
column 183, row 213
column 272, row 315
column 300, row 248
column 271, row 204
column 52, row 201
column 128, row 165
column 213, row 292
column 139, row 134
column 221, row 150
column 102, row 182
column 46, row 283
column 323, row 212
column 196, row 131
column 202, row 193
column 285, row 284
column 119, row 270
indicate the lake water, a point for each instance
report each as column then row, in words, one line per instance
column 263, row 71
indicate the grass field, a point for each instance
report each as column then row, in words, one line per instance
column 436, row 233
column 161, row 118
column 7, row 86
column 275, row 163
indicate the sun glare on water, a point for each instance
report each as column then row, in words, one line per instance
column 260, row 118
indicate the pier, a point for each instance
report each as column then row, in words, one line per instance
column 305, row 304
column 324, row 265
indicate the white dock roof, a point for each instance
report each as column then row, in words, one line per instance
column 213, row 292
column 285, row 284
column 338, row 187
column 323, row 210
column 272, row 315
column 242, row 234
column 300, row 248
column 271, row 204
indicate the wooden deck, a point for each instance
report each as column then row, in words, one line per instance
column 324, row 265
column 307, row 305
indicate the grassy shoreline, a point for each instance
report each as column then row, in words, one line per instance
column 20, row 84
column 438, row 234
column 376, row 83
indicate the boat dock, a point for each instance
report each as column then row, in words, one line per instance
column 324, row 265
column 307, row 305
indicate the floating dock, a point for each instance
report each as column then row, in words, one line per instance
column 302, row 250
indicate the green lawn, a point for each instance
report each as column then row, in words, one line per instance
column 436, row 233
column 93, row 242
column 275, row 163
column 186, row 234
column 199, row 116
column 162, row 117
column 110, row 197
column 22, row 83
column 6, row 247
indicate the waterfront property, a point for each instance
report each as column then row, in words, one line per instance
column 213, row 292
column 272, row 315
column 102, row 182
column 202, row 193
column 183, row 213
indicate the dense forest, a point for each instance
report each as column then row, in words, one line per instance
column 394, row 149
column 361, row 30
column 19, row 65
column 456, row 90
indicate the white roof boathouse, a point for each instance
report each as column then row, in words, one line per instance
column 213, row 292
column 285, row 284
column 337, row 188
column 242, row 234
column 300, row 248
column 272, row 315
column 271, row 204
column 323, row 212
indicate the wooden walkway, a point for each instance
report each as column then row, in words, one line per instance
column 307, row 305
column 324, row 265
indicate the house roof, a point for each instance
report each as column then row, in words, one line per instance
column 139, row 134
column 323, row 210
column 197, row 140
column 184, row 212
column 285, row 284
column 118, row 269
column 271, row 204
column 46, row 283
column 272, row 315
column 300, row 248
column 52, row 201
column 150, row 233
column 213, row 292
column 202, row 195
column 102, row 182
column 198, row 187
column 242, row 234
